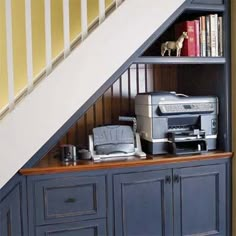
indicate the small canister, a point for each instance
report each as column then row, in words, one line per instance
column 68, row 153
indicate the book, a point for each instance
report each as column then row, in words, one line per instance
column 220, row 36
column 189, row 48
column 214, row 34
column 197, row 37
column 208, row 40
column 203, row 36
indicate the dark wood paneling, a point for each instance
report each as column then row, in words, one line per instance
column 117, row 100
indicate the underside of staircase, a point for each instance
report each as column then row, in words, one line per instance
column 43, row 117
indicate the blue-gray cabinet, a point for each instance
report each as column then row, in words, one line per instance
column 200, row 200
column 10, row 215
column 84, row 228
column 67, row 205
column 143, row 203
column 182, row 198
column 13, row 208
column 178, row 201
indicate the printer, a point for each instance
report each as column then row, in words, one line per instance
column 176, row 123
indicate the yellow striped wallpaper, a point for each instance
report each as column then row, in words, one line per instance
column 38, row 35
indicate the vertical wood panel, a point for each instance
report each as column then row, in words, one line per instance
column 84, row 18
column 10, row 67
column 29, row 49
column 133, row 87
column 165, row 77
column 101, row 11
column 66, row 27
column 119, row 100
column 48, row 37
column 99, row 112
column 107, row 106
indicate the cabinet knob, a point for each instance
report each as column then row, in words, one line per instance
column 70, row 200
column 176, row 178
column 168, row 179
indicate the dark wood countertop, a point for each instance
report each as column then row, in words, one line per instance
column 50, row 164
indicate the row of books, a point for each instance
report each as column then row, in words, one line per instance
column 205, row 36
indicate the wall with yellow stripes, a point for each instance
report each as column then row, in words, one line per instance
column 38, row 35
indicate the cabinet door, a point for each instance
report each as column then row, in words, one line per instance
column 66, row 199
column 199, row 200
column 143, row 204
column 84, row 228
column 10, row 214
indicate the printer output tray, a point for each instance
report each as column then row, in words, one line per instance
column 191, row 142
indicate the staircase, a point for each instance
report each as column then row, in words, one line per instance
column 43, row 116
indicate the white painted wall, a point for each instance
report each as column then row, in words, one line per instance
column 68, row 87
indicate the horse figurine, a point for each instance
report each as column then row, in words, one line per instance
column 171, row 45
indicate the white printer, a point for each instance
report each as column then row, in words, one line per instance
column 175, row 123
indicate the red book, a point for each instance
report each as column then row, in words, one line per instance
column 189, row 45
column 197, row 37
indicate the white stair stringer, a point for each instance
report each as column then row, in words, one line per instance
column 41, row 114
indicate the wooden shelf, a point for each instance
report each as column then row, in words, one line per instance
column 50, row 164
column 179, row 60
column 206, row 7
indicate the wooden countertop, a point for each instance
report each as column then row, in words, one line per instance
column 50, row 164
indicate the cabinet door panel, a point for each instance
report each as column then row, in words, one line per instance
column 199, row 196
column 10, row 214
column 86, row 228
column 72, row 198
column 143, row 204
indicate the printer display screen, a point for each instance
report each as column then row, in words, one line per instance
column 187, row 106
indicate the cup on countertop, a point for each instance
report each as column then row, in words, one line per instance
column 84, row 154
column 68, row 153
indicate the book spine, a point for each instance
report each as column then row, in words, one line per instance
column 208, row 40
column 197, row 37
column 216, row 35
column 188, row 44
column 220, row 36
column 203, row 35
column 213, row 35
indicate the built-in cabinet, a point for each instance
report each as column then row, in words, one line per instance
column 178, row 201
column 10, row 214
column 153, row 197
column 65, row 199
column 13, row 209
column 189, row 198
column 143, row 203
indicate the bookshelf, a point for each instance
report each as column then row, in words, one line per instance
column 187, row 186
column 152, row 72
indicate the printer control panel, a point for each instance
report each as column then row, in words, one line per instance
column 186, row 108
